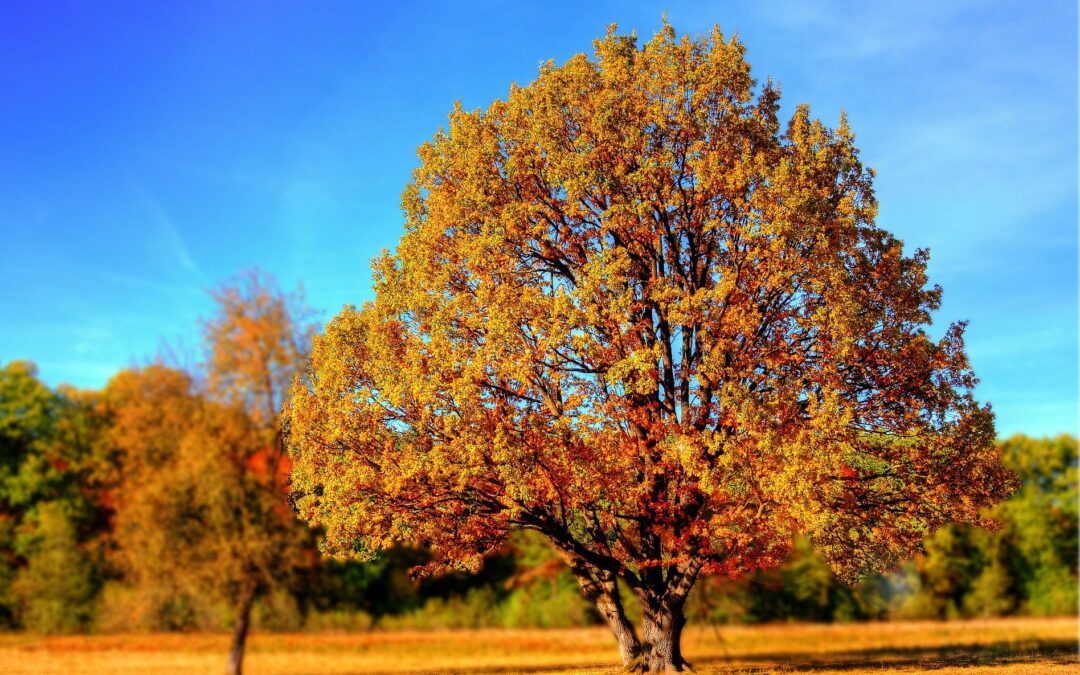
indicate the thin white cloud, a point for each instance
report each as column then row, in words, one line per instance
column 863, row 30
column 1042, row 341
column 91, row 337
column 306, row 206
column 164, row 228
column 142, row 284
column 83, row 373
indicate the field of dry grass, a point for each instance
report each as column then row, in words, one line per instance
column 997, row 646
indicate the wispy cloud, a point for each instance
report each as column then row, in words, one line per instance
column 79, row 372
column 91, row 336
column 863, row 30
column 1040, row 341
column 164, row 228
column 149, row 285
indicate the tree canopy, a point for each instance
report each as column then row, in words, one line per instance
column 203, row 492
column 634, row 312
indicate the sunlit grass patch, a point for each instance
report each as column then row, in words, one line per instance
column 997, row 646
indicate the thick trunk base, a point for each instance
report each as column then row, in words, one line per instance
column 638, row 665
column 662, row 603
column 661, row 642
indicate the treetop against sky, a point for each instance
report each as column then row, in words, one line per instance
column 146, row 152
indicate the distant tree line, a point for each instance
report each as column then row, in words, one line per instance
column 160, row 503
column 1027, row 567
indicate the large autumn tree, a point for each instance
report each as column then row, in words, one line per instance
column 634, row 313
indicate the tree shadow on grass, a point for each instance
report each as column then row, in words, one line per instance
column 1042, row 652
column 1046, row 652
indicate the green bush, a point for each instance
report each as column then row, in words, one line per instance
column 277, row 611
column 56, row 588
column 338, row 621
column 547, row 604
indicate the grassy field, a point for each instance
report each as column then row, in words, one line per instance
column 997, row 646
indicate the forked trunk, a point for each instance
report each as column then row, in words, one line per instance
column 659, row 650
column 240, row 632
column 663, row 621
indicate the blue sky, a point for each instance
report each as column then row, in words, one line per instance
column 150, row 150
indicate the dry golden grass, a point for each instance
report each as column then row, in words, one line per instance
column 997, row 646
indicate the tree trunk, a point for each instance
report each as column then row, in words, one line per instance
column 663, row 622
column 602, row 590
column 610, row 606
column 240, row 632
column 662, row 602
